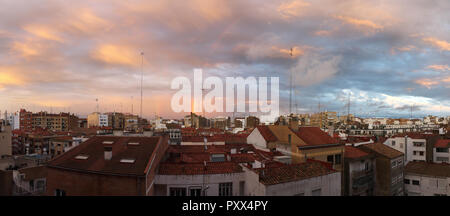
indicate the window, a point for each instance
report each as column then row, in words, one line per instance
column 441, row 149
column 59, row 192
column 225, row 189
column 414, row 152
column 177, row 191
column 316, row 192
column 393, row 143
column 195, row 191
column 337, row 159
column 415, row 182
column 393, row 164
column 419, row 144
column 421, row 153
column 330, row 158
column 127, row 160
column 82, row 157
column 366, row 166
column 242, row 188
column 442, row 159
column 217, row 158
column 406, row 181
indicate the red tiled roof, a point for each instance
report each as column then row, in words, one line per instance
column 266, row 133
column 315, row 136
column 428, row 169
column 352, row 152
column 443, row 143
column 414, row 135
column 199, row 168
column 382, row 149
column 94, row 148
column 292, row 172
column 200, row 139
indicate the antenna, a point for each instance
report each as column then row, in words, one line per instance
column 131, row 105
column 348, row 108
column 96, row 100
column 290, row 88
column 142, row 78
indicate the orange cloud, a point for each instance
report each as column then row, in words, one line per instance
column 43, row 32
column 25, row 49
column 296, row 51
column 443, row 45
column 9, row 76
column 114, row 54
column 292, row 9
column 447, row 79
column 403, row 49
column 322, row 33
column 87, row 22
column 360, row 22
column 439, row 67
column 427, row 83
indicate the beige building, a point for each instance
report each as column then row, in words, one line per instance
column 97, row 120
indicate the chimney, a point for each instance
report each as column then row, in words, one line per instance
column 205, row 140
column 108, row 152
column 331, row 131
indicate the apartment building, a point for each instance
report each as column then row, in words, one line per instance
column 358, row 173
column 300, row 144
column 441, row 153
column 56, row 122
column 107, row 165
column 413, row 145
column 98, row 120
column 29, row 121
column 389, row 165
column 427, row 179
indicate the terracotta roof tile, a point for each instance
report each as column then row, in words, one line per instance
column 315, row 136
column 352, row 152
column 199, row 168
column 382, row 149
column 443, row 143
column 293, row 172
column 427, row 168
column 266, row 133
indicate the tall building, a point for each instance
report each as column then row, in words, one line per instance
column 56, row 122
column 28, row 121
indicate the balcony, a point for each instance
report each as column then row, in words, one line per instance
column 358, row 174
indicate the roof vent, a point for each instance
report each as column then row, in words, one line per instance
column 133, row 143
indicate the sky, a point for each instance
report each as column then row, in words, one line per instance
column 385, row 55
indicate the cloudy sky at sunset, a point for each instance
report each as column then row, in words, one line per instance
column 387, row 55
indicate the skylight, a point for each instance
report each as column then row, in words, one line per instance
column 133, row 143
column 82, row 157
column 108, row 142
column 127, row 160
